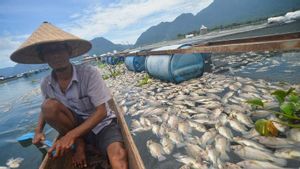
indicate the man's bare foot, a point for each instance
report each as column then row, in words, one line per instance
column 79, row 157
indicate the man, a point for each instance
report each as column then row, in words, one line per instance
column 75, row 98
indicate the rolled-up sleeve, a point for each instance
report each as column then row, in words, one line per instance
column 97, row 90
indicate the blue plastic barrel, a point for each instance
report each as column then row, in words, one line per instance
column 175, row 68
column 112, row 60
column 135, row 63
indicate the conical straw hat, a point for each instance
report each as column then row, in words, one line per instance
column 47, row 34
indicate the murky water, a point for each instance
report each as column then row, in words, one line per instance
column 20, row 102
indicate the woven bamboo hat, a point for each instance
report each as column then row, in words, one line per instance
column 46, row 35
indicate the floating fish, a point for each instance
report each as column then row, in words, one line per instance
column 249, row 153
column 14, row 162
column 156, row 150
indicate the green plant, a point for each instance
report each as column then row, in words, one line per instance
column 145, row 80
column 288, row 112
column 101, row 65
column 255, row 102
column 105, row 77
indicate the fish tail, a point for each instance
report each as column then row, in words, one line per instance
column 224, row 156
column 161, row 158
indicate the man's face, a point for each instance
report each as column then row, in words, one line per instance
column 56, row 57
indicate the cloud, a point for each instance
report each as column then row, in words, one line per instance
column 116, row 19
column 120, row 21
column 8, row 44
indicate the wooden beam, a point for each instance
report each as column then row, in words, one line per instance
column 274, row 37
column 279, row 45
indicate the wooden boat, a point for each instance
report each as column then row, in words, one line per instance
column 96, row 161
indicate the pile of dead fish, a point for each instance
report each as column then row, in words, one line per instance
column 247, row 63
column 209, row 119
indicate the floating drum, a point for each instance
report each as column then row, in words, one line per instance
column 112, row 60
column 175, row 68
column 135, row 63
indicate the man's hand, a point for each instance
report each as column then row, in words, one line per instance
column 61, row 146
column 38, row 137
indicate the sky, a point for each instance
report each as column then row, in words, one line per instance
column 120, row 21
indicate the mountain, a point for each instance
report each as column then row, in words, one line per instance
column 101, row 45
column 219, row 12
column 20, row 68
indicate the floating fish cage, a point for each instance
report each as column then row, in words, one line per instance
column 135, row 63
column 175, row 68
column 113, row 60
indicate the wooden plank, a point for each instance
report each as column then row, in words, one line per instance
column 277, row 42
column 135, row 161
column 282, row 45
column 274, row 37
column 134, row 158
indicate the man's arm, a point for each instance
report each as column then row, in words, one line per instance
column 41, row 124
column 65, row 142
column 39, row 135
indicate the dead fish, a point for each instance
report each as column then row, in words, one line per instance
column 280, row 127
column 251, row 134
column 237, row 126
column 229, row 165
column 234, row 108
column 125, row 109
column 189, row 161
column 207, row 121
column 250, row 143
column 186, row 166
column 227, row 96
column 249, row 88
column 155, row 129
column 294, row 134
column 249, row 153
column 14, row 162
column 288, row 153
column 224, row 131
column 156, row 150
column 200, row 116
column 243, row 118
column 167, row 145
column 135, row 124
column 195, row 151
column 222, row 147
column 212, row 105
column 189, row 103
column 197, row 126
column 260, row 113
column 162, row 129
column 212, row 155
column 145, row 122
column 235, row 86
column 173, row 121
column 255, row 164
column 208, row 137
column 176, row 138
column 276, row 142
column 184, row 128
